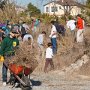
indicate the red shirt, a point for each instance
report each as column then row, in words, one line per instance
column 80, row 24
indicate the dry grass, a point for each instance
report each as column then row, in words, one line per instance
column 25, row 56
column 68, row 52
column 9, row 13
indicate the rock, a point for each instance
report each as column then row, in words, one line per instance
column 79, row 63
column 68, row 69
column 85, row 58
column 74, row 66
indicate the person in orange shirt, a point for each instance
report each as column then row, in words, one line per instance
column 80, row 27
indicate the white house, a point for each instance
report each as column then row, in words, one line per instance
column 19, row 9
column 61, row 7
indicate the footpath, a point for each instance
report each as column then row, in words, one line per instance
column 57, row 80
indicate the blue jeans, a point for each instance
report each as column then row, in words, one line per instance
column 4, row 73
column 54, row 45
column 5, row 68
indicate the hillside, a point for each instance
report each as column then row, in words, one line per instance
column 72, row 66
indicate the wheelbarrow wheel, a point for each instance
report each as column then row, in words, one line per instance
column 26, row 80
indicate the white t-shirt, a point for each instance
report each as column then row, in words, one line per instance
column 71, row 24
column 49, row 52
column 53, row 30
column 26, row 27
column 40, row 39
column 25, row 38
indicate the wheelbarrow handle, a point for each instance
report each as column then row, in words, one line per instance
column 21, row 81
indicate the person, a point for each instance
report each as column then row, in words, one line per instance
column 23, row 29
column 41, row 43
column 1, row 31
column 1, row 34
column 15, row 27
column 35, row 24
column 71, row 25
column 28, row 37
column 8, row 47
column 49, row 56
column 6, row 30
column 80, row 27
column 25, row 26
column 53, row 37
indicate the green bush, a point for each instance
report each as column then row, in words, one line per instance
column 46, row 18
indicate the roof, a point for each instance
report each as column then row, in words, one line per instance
column 66, row 2
column 17, row 6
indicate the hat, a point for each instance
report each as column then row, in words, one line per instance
column 3, row 28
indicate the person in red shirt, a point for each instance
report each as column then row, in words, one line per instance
column 80, row 27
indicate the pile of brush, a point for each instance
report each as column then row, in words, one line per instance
column 25, row 56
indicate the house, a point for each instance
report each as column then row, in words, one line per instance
column 19, row 9
column 62, row 7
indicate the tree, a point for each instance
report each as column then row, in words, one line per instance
column 2, row 4
column 33, row 10
column 88, row 3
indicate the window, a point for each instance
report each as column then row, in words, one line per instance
column 60, row 7
column 54, row 9
column 47, row 9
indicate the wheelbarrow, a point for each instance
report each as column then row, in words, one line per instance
column 25, row 72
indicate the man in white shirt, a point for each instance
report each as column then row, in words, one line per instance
column 71, row 25
column 41, row 43
column 27, row 37
column 40, row 39
column 53, row 37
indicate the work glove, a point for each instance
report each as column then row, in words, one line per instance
column 1, row 58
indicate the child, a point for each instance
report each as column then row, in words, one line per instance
column 49, row 55
column 41, row 43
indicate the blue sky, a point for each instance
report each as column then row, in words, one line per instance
column 36, row 3
column 22, row 2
